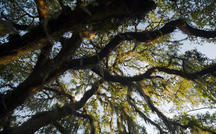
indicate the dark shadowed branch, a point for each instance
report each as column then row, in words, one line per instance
column 44, row 55
column 47, row 72
column 148, row 74
column 166, row 120
column 44, row 118
column 146, row 36
column 132, row 103
column 138, row 36
column 70, row 20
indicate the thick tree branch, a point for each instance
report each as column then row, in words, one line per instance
column 73, row 20
column 44, row 55
column 88, row 94
column 42, row 9
column 170, row 126
column 61, row 63
column 191, row 124
column 105, row 74
column 44, row 118
column 10, row 49
column 191, row 76
column 145, row 36
column 38, row 77
column 190, row 30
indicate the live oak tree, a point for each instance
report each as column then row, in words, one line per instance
column 106, row 66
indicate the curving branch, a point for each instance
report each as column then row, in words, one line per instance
column 88, row 94
column 146, row 36
column 106, row 75
column 38, row 77
column 171, row 125
column 61, row 63
column 9, row 49
column 131, row 101
column 168, row 122
column 74, row 20
column 190, row 30
column 190, row 76
column 44, row 118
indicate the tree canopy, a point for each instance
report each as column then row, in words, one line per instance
column 106, row 66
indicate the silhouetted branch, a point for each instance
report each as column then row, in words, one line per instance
column 71, row 20
column 105, row 74
column 132, row 103
column 166, row 120
column 47, row 72
column 44, row 118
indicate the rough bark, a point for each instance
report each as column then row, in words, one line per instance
column 74, row 20
column 145, row 36
column 105, row 74
column 57, row 66
column 62, row 63
column 44, row 118
column 40, row 75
